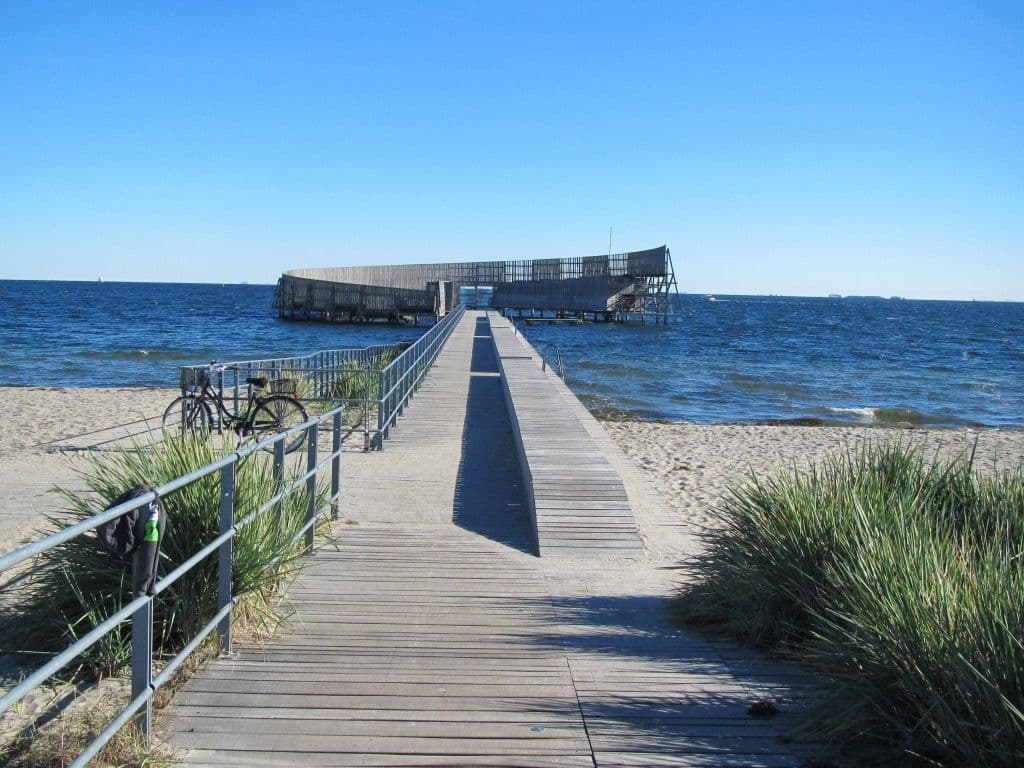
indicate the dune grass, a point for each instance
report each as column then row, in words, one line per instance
column 79, row 583
column 353, row 384
column 900, row 580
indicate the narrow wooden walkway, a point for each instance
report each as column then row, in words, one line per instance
column 434, row 635
column 577, row 501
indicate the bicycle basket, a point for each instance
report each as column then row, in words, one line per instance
column 283, row 387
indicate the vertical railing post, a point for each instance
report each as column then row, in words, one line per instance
column 279, row 476
column 326, row 374
column 225, row 558
column 142, row 659
column 409, row 371
column 336, row 465
column 400, row 393
column 311, row 433
column 366, row 407
column 380, row 408
column 407, row 389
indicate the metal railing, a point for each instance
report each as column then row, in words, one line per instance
column 399, row 380
column 336, row 376
column 345, row 377
column 383, row 377
column 559, row 366
column 318, row 369
column 144, row 683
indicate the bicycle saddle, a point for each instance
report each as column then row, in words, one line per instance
column 257, row 381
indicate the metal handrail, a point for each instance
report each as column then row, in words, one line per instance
column 320, row 370
column 140, row 609
column 559, row 365
column 399, row 380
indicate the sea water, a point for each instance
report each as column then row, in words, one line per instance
column 77, row 334
column 803, row 360
column 733, row 359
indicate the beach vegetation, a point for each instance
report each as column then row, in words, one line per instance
column 899, row 578
column 355, row 384
column 77, row 584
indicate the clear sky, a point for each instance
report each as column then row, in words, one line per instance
column 798, row 148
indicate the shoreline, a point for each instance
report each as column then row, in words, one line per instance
column 815, row 422
column 47, row 435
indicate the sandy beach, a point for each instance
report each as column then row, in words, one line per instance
column 50, row 432
column 692, row 466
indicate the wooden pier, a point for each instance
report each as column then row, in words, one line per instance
column 638, row 285
column 437, row 633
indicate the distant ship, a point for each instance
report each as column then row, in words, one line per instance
column 99, row 279
column 835, row 296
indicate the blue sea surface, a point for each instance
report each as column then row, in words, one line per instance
column 734, row 359
column 816, row 360
column 78, row 334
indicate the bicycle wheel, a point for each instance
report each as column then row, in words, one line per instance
column 276, row 414
column 187, row 415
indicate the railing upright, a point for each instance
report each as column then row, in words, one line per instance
column 380, row 404
column 279, row 476
column 311, row 433
column 335, row 465
column 226, row 553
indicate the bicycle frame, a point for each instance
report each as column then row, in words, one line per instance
column 208, row 394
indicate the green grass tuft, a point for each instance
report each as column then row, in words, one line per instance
column 79, row 583
column 901, row 580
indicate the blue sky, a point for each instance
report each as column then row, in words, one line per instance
column 798, row 148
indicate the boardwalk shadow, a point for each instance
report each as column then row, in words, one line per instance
column 489, row 497
column 484, row 360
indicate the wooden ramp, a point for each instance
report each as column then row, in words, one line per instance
column 432, row 634
column 577, row 501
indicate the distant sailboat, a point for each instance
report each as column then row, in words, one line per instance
column 99, row 279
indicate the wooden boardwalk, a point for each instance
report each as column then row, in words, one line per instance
column 577, row 501
column 434, row 635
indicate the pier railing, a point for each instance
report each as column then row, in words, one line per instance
column 373, row 383
column 323, row 380
column 145, row 680
column 400, row 378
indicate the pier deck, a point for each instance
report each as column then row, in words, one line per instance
column 576, row 498
column 433, row 634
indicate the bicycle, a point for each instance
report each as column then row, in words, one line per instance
column 261, row 418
